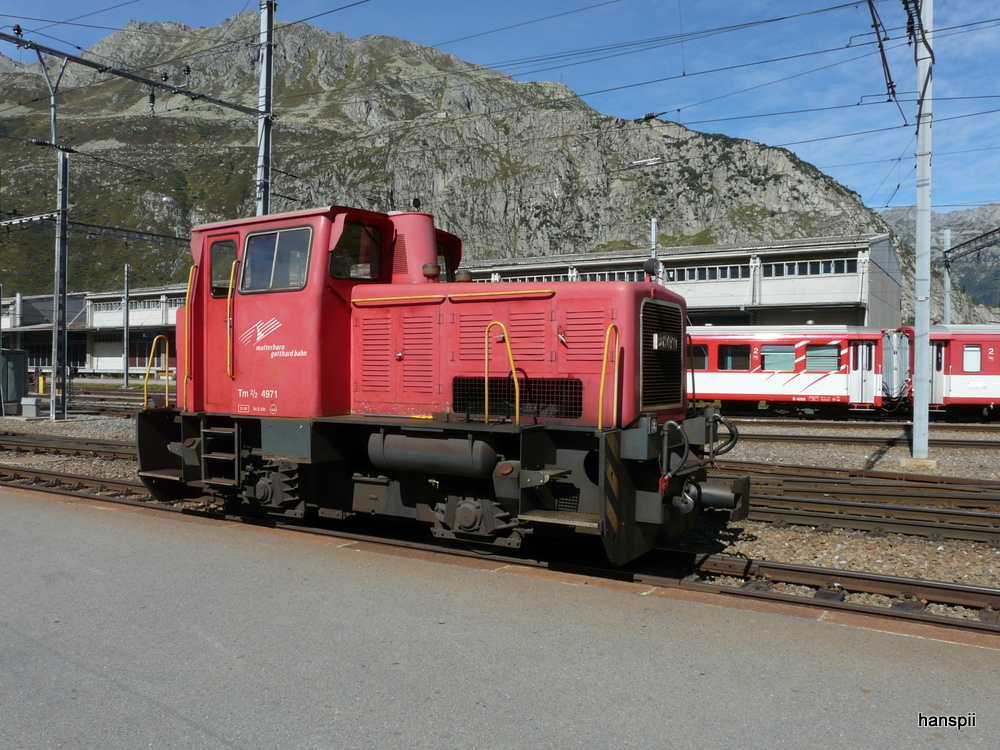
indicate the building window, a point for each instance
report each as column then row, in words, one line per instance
column 777, row 357
column 734, row 356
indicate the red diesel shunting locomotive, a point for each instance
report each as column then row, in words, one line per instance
column 329, row 363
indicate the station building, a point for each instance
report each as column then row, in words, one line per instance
column 853, row 281
column 95, row 324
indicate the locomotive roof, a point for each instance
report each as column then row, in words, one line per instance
column 288, row 215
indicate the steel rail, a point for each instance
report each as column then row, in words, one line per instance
column 72, row 446
column 880, row 440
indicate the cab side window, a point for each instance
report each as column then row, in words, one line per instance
column 221, row 257
column 276, row 261
column 358, row 252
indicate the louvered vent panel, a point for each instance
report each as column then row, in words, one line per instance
column 418, row 353
column 585, row 335
column 663, row 376
column 471, row 330
column 376, row 354
column 527, row 335
column 399, row 260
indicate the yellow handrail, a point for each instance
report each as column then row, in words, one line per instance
column 188, row 346
column 166, row 374
column 515, row 293
column 513, row 370
column 604, row 368
column 229, row 321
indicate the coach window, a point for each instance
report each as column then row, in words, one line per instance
column 699, row 356
column 972, row 358
column 358, row 253
column 777, row 357
column 734, row 356
column 276, row 261
column 822, row 357
column 221, row 258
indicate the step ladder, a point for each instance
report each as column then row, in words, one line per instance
column 220, row 456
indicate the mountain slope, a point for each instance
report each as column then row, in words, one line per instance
column 514, row 168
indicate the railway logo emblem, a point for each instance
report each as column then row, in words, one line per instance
column 259, row 331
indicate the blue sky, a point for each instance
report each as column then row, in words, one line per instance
column 806, row 75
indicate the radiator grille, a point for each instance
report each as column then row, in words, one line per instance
column 540, row 397
column 663, row 378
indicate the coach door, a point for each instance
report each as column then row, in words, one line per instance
column 938, row 373
column 861, row 379
column 218, row 299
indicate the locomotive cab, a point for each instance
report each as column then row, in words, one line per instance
column 332, row 363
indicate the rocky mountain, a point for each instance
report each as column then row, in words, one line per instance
column 978, row 274
column 514, row 168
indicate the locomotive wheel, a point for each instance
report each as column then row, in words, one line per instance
column 479, row 522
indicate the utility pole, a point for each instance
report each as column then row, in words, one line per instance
column 57, row 400
column 57, row 397
column 264, row 145
column 946, row 318
column 923, row 40
column 264, row 104
column 125, row 331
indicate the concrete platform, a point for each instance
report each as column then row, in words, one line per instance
column 122, row 629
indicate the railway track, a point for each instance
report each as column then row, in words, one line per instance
column 872, row 501
column 799, row 495
column 884, row 441
column 943, row 607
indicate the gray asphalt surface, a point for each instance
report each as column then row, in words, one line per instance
column 119, row 630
